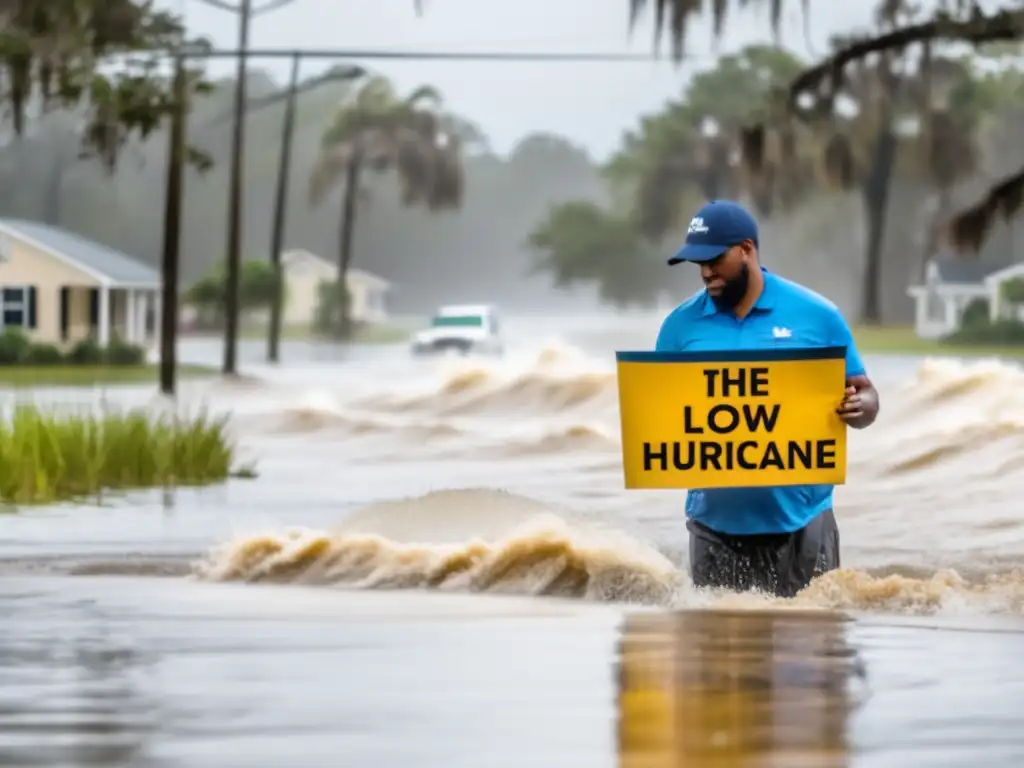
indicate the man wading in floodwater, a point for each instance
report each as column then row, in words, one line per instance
column 771, row 539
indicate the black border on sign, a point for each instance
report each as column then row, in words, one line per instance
column 735, row 355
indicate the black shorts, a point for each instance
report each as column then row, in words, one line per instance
column 777, row 564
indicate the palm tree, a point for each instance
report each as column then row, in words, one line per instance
column 376, row 130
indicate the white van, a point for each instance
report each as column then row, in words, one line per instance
column 462, row 328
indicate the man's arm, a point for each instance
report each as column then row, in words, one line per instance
column 860, row 405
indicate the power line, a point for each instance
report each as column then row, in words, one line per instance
column 333, row 76
column 413, row 55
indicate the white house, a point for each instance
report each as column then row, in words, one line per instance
column 951, row 285
column 60, row 287
column 305, row 271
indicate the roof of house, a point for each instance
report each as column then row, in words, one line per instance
column 108, row 265
column 298, row 254
column 361, row 275
column 354, row 273
column 966, row 271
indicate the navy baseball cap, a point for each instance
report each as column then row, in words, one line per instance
column 714, row 229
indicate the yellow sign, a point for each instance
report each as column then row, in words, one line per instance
column 732, row 419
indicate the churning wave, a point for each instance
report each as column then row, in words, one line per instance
column 952, row 417
column 474, row 540
column 498, row 543
column 559, row 399
column 556, row 379
column 554, row 401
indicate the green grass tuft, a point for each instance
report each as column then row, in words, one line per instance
column 47, row 457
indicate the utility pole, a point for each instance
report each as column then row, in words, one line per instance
column 334, row 75
column 280, row 211
column 246, row 12
column 235, row 201
column 172, row 233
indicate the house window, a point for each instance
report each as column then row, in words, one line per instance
column 17, row 306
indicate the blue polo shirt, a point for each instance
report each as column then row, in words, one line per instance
column 697, row 325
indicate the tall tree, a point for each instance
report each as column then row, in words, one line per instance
column 676, row 158
column 376, row 130
column 580, row 242
column 882, row 117
column 688, row 149
column 814, row 91
column 889, row 119
column 60, row 54
column 861, row 150
column 953, row 20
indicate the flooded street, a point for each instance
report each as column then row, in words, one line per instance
column 438, row 565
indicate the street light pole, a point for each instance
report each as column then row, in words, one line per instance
column 283, row 182
column 280, row 212
column 172, row 233
column 235, row 199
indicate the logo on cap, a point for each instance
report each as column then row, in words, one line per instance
column 697, row 226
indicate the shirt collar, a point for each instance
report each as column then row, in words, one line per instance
column 765, row 302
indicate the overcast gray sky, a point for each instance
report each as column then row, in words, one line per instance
column 591, row 103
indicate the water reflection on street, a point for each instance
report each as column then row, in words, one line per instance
column 726, row 690
column 806, row 689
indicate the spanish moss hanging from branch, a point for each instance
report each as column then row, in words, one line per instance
column 969, row 228
column 105, row 59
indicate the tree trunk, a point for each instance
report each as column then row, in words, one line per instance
column 343, row 329
column 876, row 206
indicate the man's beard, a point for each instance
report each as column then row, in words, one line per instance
column 733, row 291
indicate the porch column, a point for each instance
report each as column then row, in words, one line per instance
column 921, row 312
column 142, row 315
column 104, row 329
column 131, row 317
column 157, row 318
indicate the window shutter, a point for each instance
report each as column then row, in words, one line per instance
column 65, row 296
column 32, row 307
column 94, row 307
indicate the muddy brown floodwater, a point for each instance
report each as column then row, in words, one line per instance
column 438, row 566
